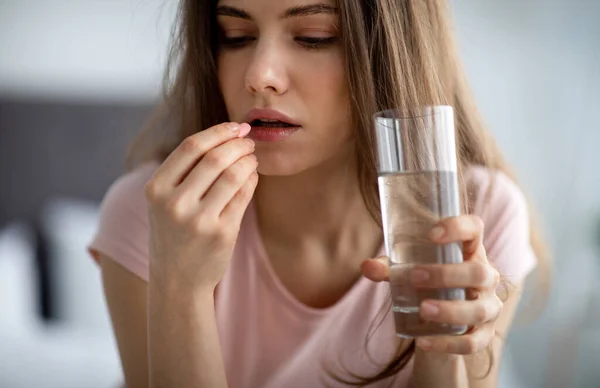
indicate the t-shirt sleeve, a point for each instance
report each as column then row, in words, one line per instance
column 122, row 233
column 503, row 208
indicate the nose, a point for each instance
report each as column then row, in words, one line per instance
column 266, row 73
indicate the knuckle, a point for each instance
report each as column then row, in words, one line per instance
column 175, row 207
column 499, row 306
column 221, row 235
column 224, row 129
column 249, row 187
column 481, row 313
column 191, row 144
column 152, row 191
column 251, row 183
column 248, row 143
column 471, row 345
column 245, row 193
column 203, row 224
column 212, row 159
column 480, row 272
column 232, row 175
column 250, row 162
column 247, row 190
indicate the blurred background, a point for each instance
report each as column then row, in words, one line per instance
column 78, row 78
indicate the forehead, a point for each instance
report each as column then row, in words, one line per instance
column 272, row 6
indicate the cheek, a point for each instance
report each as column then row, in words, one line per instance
column 329, row 97
column 329, row 78
column 328, row 87
column 230, row 74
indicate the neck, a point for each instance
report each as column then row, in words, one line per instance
column 321, row 207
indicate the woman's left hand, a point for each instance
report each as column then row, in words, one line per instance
column 482, row 307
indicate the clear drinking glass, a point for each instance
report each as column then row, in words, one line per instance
column 418, row 186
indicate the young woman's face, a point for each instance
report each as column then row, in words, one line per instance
column 282, row 60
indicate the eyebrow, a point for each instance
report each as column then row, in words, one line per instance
column 303, row 10
column 310, row 9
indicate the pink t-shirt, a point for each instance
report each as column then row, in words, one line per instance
column 270, row 339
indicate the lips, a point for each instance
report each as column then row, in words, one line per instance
column 270, row 125
column 269, row 118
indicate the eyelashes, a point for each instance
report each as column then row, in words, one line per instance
column 315, row 43
column 237, row 42
column 304, row 41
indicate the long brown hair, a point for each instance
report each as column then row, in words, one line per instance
column 399, row 54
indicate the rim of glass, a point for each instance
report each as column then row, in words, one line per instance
column 395, row 113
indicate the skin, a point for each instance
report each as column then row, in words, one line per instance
column 311, row 215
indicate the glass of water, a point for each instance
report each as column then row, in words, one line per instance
column 418, row 186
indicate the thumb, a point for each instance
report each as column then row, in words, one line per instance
column 376, row 269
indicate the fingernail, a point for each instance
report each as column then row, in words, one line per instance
column 253, row 156
column 437, row 233
column 244, row 129
column 234, row 127
column 424, row 343
column 419, row 275
column 429, row 309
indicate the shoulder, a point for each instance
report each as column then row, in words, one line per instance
column 123, row 228
column 493, row 193
column 128, row 190
column 502, row 206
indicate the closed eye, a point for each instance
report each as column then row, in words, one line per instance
column 315, row 43
column 305, row 41
column 235, row 42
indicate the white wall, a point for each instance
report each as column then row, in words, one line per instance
column 108, row 49
column 534, row 66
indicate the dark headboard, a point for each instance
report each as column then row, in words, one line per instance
column 59, row 149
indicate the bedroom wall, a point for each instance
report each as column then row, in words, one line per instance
column 91, row 50
column 534, row 68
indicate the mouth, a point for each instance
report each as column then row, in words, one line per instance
column 271, row 130
column 269, row 123
column 269, row 118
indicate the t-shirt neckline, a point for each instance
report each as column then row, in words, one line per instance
column 278, row 288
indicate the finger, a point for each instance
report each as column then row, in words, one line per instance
column 212, row 165
column 462, row 312
column 472, row 342
column 469, row 274
column 376, row 269
column 183, row 159
column 229, row 183
column 467, row 229
column 235, row 209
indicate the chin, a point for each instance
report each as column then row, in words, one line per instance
column 280, row 165
column 265, row 169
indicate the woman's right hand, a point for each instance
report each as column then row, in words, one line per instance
column 197, row 198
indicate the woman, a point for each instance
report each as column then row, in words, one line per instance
column 215, row 278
